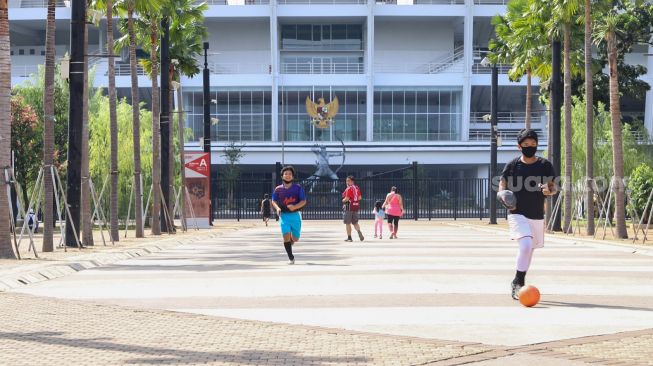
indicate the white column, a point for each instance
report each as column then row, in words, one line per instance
column 468, row 45
column 648, row 109
column 274, row 62
column 369, row 70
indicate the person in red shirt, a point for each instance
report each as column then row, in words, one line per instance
column 351, row 198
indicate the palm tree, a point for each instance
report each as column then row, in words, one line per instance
column 521, row 41
column 589, row 120
column 105, row 7
column 131, row 7
column 153, row 21
column 187, row 32
column 6, row 251
column 87, row 222
column 48, row 129
column 564, row 18
column 113, row 126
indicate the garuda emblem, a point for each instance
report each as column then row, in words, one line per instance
column 322, row 114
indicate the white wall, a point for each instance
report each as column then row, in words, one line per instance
column 398, row 42
column 241, row 42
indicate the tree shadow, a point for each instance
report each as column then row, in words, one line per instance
column 157, row 355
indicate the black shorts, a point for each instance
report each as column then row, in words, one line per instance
column 393, row 219
column 267, row 214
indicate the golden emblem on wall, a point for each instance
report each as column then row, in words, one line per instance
column 322, row 114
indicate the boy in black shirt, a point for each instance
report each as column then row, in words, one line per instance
column 530, row 178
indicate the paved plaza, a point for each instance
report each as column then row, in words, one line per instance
column 437, row 295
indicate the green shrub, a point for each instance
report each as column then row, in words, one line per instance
column 641, row 184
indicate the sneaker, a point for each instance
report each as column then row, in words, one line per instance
column 360, row 236
column 292, row 261
column 515, row 290
column 380, row 237
column 349, row 239
column 374, row 236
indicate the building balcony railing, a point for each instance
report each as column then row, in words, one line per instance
column 23, row 71
column 513, row 118
column 321, row 2
column 477, row 68
column 420, row 2
column 507, row 135
column 240, row 68
column 419, row 68
column 37, row 3
column 322, row 68
column 124, row 70
column 234, row 2
column 491, row 2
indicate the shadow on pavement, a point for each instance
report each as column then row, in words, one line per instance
column 176, row 356
column 598, row 306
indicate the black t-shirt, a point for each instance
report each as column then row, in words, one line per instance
column 524, row 180
column 266, row 206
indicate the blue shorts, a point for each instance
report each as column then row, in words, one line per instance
column 291, row 222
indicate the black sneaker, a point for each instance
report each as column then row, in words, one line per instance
column 360, row 236
column 348, row 239
column 515, row 290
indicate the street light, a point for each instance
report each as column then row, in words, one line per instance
column 485, row 62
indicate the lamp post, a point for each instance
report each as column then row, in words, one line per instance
column 493, row 136
column 207, row 119
column 77, row 80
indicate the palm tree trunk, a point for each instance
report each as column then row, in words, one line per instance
column 87, row 224
column 567, row 131
column 589, row 120
column 529, row 98
column 6, row 250
column 48, row 130
column 617, row 141
column 171, row 156
column 113, row 128
column 156, row 147
column 180, row 132
column 136, row 124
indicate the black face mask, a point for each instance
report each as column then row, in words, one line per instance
column 529, row 151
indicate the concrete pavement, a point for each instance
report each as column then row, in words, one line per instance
column 437, row 281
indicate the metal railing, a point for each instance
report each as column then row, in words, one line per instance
column 507, row 117
column 510, row 135
column 233, row 2
column 491, row 2
column 322, row 68
column 423, row 198
column 477, row 68
column 37, row 4
column 24, row 71
column 421, row 2
column 124, row 70
column 447, row 63
column 321, row 2
column 240, row 68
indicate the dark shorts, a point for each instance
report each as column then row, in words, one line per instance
column 393, row 219
column 267, row 214
column 350, row 217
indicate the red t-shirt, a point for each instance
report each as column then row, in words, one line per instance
column 354, row 194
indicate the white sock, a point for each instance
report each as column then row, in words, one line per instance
column 525, row 254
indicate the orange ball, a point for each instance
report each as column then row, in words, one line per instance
column 529, row 296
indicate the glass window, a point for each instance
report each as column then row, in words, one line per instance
column 417, row 115
column 317, row 33
column 304, row 32
column 338, row 32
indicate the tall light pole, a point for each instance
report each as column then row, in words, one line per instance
column 207, row 120
column 494, row 104
column 74, row 173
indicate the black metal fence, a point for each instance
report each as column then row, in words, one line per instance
column 423, row 198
